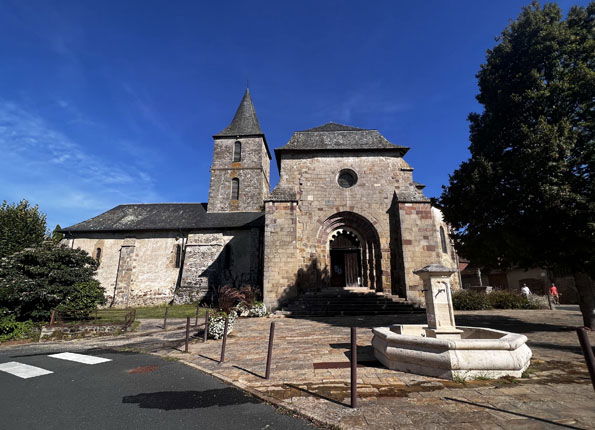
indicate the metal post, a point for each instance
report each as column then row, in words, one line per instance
column 353, row 367
column 224, row 340
column 196, row 320
column 270, row 351
column 187, row 333
column 165, row 318
column 206, row 333
column 587, row 351
column 52, row 317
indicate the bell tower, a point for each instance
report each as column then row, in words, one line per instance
column 240, row 170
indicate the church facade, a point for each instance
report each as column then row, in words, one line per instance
column 346, row 214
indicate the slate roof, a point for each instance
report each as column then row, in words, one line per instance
column 245, row 122
column 339, row 137
column 282, row 194
column 166, row 216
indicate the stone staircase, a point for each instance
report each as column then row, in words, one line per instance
column 348, row 302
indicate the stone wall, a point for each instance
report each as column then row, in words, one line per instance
column 217, row 258
column 280, row 258
column 252, row 172
column 135, row 269
column 139, row 269
column 297, row 233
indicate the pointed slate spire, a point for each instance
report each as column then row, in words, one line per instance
column 245, row 122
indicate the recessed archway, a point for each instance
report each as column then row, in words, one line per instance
column 349, row 245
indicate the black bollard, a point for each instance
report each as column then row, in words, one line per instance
column 222, row 359
column 353, row 367
column 187, row 333
column 206, row 333
column 583, row 338
column 270, row 351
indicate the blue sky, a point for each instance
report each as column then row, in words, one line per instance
column 111, row 102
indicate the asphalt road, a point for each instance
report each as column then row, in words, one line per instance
column 132, row 391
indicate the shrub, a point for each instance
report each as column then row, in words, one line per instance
column 503, row 299
column 217, row 324
column 11, row 329
column 36, row 280
column 227, row 298
column 468, row 300
column 249, row 295
column 538, row 302
column 82, row 300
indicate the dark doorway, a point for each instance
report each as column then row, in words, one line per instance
column 346, row 264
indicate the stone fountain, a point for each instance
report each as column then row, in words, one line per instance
column 444, row 350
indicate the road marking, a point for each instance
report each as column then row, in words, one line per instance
column 80, row 358
column 23, row 370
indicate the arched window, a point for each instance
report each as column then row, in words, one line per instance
column 443, row 240
column 237, row 151
column 235, row 189
column 178, row 256
column 98, row 255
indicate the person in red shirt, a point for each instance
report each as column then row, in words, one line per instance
column 554, row 294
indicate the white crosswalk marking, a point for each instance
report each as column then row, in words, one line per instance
column 80, row 358
column 24, row 371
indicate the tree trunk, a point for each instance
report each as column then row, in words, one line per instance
column 586, row 298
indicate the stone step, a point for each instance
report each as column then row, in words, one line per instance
column 348, row 303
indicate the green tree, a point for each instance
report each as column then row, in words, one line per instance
column 57, row 235
column 21, row 226
column 526, row 195
column 36, row 280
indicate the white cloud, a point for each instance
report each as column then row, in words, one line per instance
column 70, row 183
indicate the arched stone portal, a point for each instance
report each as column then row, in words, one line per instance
column 348, row 244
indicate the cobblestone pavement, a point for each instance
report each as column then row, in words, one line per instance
column 556, row 392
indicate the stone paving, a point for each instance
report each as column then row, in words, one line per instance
column 555, row 393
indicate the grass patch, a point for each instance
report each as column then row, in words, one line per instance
column 157, row 312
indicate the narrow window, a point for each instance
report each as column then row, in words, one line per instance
column 178, row 256
column 443, row 240
column 235, row 189
column 237, row 151
column 98, row 255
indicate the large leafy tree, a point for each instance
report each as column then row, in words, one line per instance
column 21, row 226
column 526, row 195
column 35, row 281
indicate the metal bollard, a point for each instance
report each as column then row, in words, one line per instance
column 222, row 359
column 270, row 351
column 165, row 318
column 196, row 320
column 206, row 333
column 187, row 333
column 583, row 338
column 353, row 367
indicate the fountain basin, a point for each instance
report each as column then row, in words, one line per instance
column 478, row 353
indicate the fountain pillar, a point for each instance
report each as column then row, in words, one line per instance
column 439, row 309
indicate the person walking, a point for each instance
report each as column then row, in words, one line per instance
column 525, row 291
column 554, row 294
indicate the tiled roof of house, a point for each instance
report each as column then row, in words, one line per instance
column 166, row 216
column 339, row 137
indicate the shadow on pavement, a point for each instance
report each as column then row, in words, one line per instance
column 172, row 400
column 513, row 413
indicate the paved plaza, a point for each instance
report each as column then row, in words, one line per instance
column 310, row 374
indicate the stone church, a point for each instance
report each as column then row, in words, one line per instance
column 346, row 214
